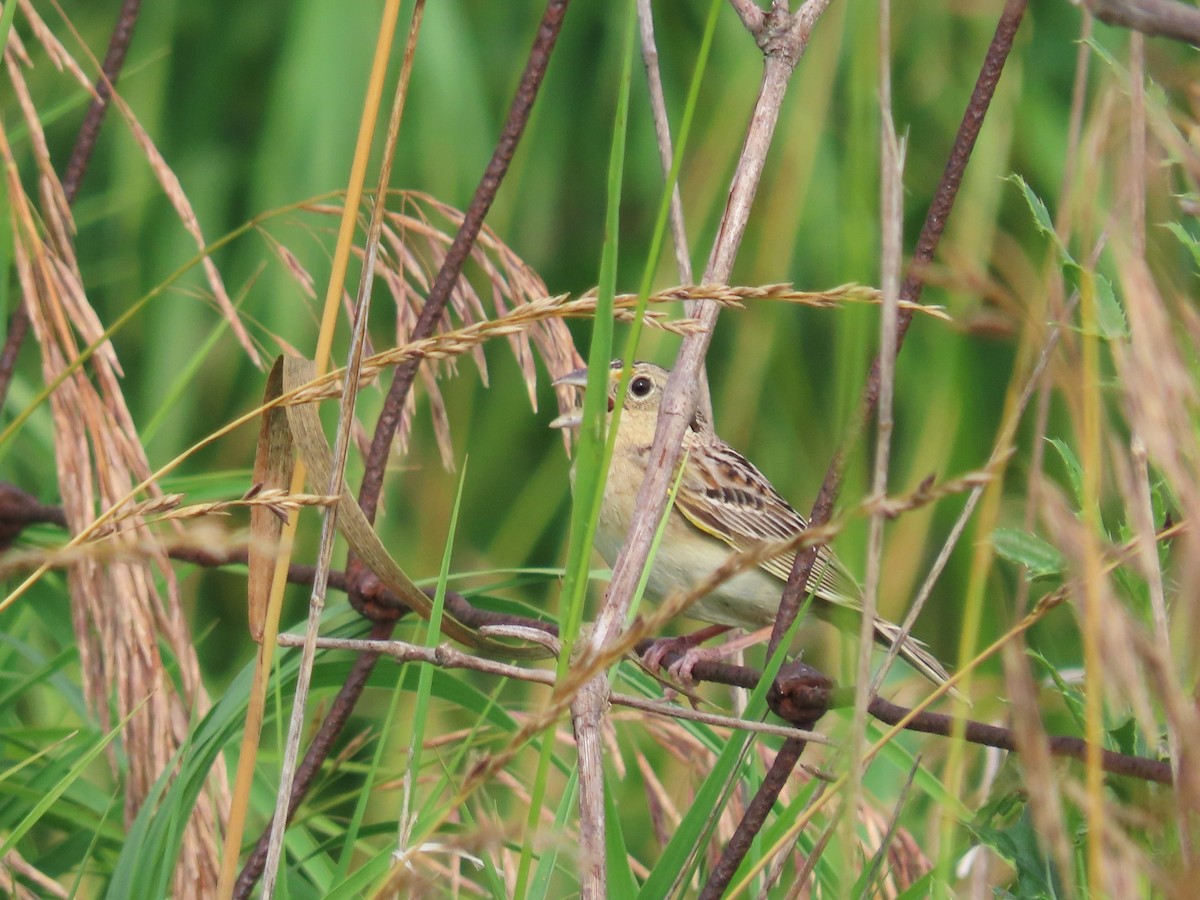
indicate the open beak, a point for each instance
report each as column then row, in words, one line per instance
column 574, row 418
column 578, row 378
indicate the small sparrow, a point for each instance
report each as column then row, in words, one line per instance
column 724, row 504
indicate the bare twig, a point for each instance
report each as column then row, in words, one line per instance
column 783, row 37
column 318, row 751
column 931, row 233
column 445, row 656
column 341, row 450
column 1157, row 18
column 995, row 736
column 788, row 701
column 114, row 61
column 456, row 256
column 662, row 132
column 781, row 769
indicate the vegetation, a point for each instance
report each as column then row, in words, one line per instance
column 1060, row 386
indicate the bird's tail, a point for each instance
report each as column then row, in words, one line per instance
column 912, row 651
column 839, row 609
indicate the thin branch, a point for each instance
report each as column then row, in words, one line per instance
column 1140, row 767
column 756, row 812
column 792, row 699
column 318, row 751
column 445, row 656
column 89, row 131
column 784, row 38
column 800, row 696
column 662, row 133
column 460, row 248
column 777, row 776
column 910, row 292
column 1156, row 18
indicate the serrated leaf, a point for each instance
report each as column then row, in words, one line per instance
column 1028, row 550
column 1020, row 844
column 1110, row 317
column 1071, row 696
column 1074, row 470
column 1041, row 217
column 1185, row 237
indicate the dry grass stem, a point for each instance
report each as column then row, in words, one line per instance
column 662, row 134
column 447, row 657
column 120, row 616
column 449, row 345
column 14, row 866
column 336, row 487
column 891, row 161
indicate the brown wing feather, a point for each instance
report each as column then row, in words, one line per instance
column 723, row 494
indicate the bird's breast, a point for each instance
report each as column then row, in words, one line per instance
column 686, row 556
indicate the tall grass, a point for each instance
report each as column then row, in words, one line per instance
column 255, row 109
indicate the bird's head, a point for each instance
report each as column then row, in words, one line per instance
column 640, row 413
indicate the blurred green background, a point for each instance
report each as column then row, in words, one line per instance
column 256, row 106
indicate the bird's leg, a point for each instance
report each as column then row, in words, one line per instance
column 681, row 669
column 691, row 653
column 685, row 644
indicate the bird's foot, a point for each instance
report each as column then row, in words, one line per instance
column 692, row 655
column 687, row 645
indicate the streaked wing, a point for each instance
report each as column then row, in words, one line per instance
column 724, row 495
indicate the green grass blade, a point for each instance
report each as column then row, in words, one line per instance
column 56, row 791
column 548, row 862
column 425, row 679
column 681, row 853
column 591, row 462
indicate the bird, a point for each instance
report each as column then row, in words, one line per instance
column 723, row 504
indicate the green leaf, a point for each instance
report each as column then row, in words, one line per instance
column 1074, row 469
column 52, row 795
column 1020, row 845
column 1028, row 550
column 1041, row 218
column 1110, row 317
column 539, row 886
column 621, row 882
column 1185, row 237
column 1071, row 696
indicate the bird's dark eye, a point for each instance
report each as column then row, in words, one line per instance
column 640, row 386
